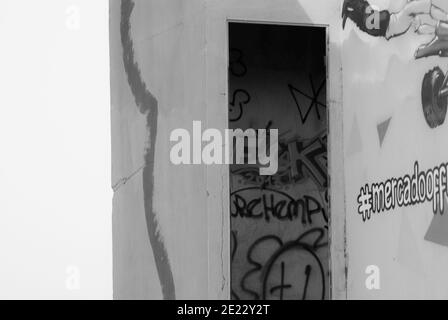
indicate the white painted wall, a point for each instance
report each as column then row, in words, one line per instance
column 55, row 208
column 382, row 80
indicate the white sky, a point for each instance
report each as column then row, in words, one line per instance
column 55, row 194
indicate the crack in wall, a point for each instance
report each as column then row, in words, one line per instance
column 121, row 182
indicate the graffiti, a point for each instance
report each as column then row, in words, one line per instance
column 298, row 161
column 423, row 186
column 240, row 98
column 387, row 24
column 268, row 204
column 273, row 266
column 382, row 129
column 309, row 158
column 314, row 104
column 309, row 269
column 147, row 105
column 236, row 66
column 435, row 97
column 250, row 176
column 233, row 249
column 278, row 245
column 291, row 270
column 434, row 89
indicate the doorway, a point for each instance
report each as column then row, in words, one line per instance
column 279, row 223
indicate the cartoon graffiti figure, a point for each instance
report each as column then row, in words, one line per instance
column 393, row 24
column 383, row 23
column 284, row 270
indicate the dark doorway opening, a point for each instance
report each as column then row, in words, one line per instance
column 279, row 223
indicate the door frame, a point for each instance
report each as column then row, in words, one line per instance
column 218, row 204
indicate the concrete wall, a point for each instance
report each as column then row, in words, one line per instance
column 385, row 133
column 158, row 84
column 168, row 68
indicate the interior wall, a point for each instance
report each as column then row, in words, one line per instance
column 279, row 223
